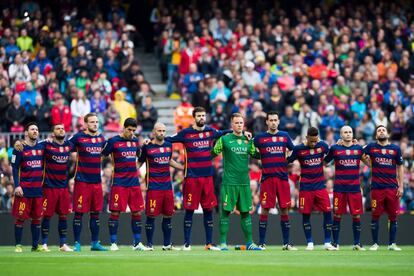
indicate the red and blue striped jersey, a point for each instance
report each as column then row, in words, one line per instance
column 347, row 161
column 88, row 163
column 56, row 158
column 124, row 154
column 198, row 146
column 311, row 164
column 157, row 158
column 272, row 148
column 384, row 162
column 28, row 169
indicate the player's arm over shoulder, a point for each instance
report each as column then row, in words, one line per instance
column 218, row 148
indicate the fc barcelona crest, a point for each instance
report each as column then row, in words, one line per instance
column 384, row 151
column 162, row 150
column 61, row 149
column 201, row 135
column 239, row 141
column 34, row 152
column 99, row 139
column 134, row 144
column 93, row 140
column 281, row 139
column 274, row 139
column 391, row 151
column 208, row 134
column 39, row 152
column 355, row 152
column 168, row 149
column 128, row 144
column 67, row 148
column 348, row 152
column 318, row 150
column 312, row 151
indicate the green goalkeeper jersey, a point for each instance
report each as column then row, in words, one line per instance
column 236, row 151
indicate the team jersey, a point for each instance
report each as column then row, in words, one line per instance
column 311, row 165
column 28, row 169
column 272, row 148
column 236, row 151
column 157, row 159
column 347, row 161
column 88, row 162
column 384, row 162
column 56, row 158
column 198, row 145
column 124, row 154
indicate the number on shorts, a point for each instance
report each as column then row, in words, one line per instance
column 45, row 203
column 153, row 203
column 374, row 203
column 190, row 197
column 22, row 206
column 116, row 197
column 336, row 201
column 80, row 199
column 264, row 195
column 302, row 201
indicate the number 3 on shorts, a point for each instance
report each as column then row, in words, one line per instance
column 189, row 197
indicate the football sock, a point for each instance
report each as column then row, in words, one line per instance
column 393, row 231
column 94, row 226
column 327, row 226
column 113, row 227
column 307, row 228
column 18, row 231
column 246, row 225
column 63, row 229
column 374, row 230
column 356, row 229
column 188, row 223
column 285, row 225
column 45, row 229
column 35, row 227
column 208, row 225
column 136, row 228
column 149, row 230
column 336, row 228
column 166, row 230
column 262, row 228
column 224, row 226
column 77, row 226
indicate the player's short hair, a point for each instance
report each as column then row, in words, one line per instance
column 376, row 129
column 270, row 113
column 236, row 115
column 130, row 122
column 28, row 125
column 87, row 116
column 313, row 131
column 55, row 125
column 198, row 109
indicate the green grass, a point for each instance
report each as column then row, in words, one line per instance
column 200, row 262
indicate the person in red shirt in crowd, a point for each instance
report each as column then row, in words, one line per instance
column 60, row 113
column 317, row 68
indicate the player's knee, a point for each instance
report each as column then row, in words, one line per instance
column 265, row 211
column 207, row 210
column 375, row 217
column 94, row 215
column 284, row 211
column 19, row 222
column 47, row 217
column 78, row 216
column 63, row 217
column 337, row 217
column 36, row 221
column 356, row 218
column 136, row 216
column 392, row 218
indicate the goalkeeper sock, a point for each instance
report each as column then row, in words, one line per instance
column 246, row 225
column 224, row 226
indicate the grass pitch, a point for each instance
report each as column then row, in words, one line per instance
column 200, row 262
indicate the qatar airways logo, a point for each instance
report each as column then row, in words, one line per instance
column 162, row 160
column 313, row 161
column 94, row 150
column 348, row 162
column 383, row 161
column 34, row 163
column 201, row 144
column 60, row 159
column 275, row 149
column 128, row 154
column 238, row 150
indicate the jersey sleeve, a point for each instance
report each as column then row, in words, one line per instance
column 143, row 154
column 365, row 150
column 253, row 152
column 398, row 157
column 293, row 156
column 108, row 147
column 289, row 143
column 218, row 148
column 330, row 155
column 176, row 138
column 15, row 162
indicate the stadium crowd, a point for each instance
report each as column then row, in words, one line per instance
column 319, row 65
column 322, row 66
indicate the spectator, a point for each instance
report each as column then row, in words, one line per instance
column 183, row 114
column 191, row 80
column 257, row 120
column 15, row 115
column 60, row 113
column 148, row 115
column 219, row 95
column 250, row 76
column 366, row 128
column 290, row 123
column 308, row 118
column 42, row 114
column 25, row 42
column 331, row 122
column 219, row 119
column 18, row 71
column 202, row 97
column 79, row 107
column 124, row 108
